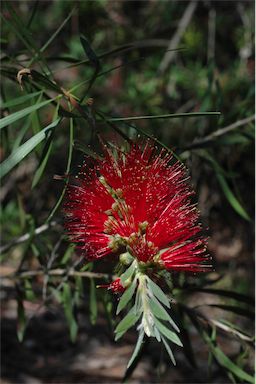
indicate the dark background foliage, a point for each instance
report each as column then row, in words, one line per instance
column 211, row 69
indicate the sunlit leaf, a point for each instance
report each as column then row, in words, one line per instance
column 7, row 120
column 21, row 152
column 19, row 100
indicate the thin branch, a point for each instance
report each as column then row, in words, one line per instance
column 57, row 272
column 220, row 132
column 26, row 236
column 183, row 24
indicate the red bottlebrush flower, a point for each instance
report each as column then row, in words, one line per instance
column 138, row 201
column 116, row 286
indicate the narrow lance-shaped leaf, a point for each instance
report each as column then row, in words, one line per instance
column 127, row 322
column 21, row 318
column 158, row 293
column 19, row 100
column 93, row 302
column 166, row 116
column 159, row 311
column 225, row 361
column 20, row 114
column 137, row 348
column 126, row 297
column 167, row 333
column 70, row 152
column 45, row 154
column 231, row 197
column 89, row 51
column 168, row 349
column 68, row 308
column 21, row 152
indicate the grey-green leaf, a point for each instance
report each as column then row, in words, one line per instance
column 137, row 348
column 168, row 349
column 159, row 311
column 128, row 273
column 167, row 333
column 127, row 322
column 126, row 297
column 158, row 293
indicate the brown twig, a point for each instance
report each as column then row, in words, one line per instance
column 220, row 132
column 56, row 272
column 26, row 236
column 184, row 22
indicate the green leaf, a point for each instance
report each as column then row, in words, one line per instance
column 70, row 152
column 127, row 322
column 68, row 308
column 20, row 114
column 129, row 272
column 25, row 149
column 238, row 310
column 168, row 349
column 45, row 81
column 21, row 318
column 225, row 361
column 67, row 254
column 166, row 116
column 19, row 100
column 157, row 291
column 159, row 311
column 231, row 197
column 89, row 52
column 46, row 152
column 137, row 348
column 167, row 333
column 56, row 32
column 126, row 296
column 29, row 293
column 221, row 292
column 93, row 302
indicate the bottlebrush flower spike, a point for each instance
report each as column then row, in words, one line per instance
column 137, row 201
